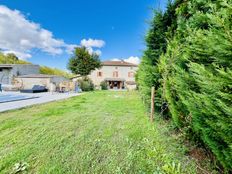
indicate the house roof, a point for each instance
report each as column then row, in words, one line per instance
column 74, row 77
column 118, row 63
column 38, row 76
column 6, row 66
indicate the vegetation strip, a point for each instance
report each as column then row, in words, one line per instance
column 188, row 59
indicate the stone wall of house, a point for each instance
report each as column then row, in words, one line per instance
column 108, row 72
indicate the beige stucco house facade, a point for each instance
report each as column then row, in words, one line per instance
column 117, row 74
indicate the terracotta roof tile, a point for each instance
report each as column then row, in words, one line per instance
column 118, row 63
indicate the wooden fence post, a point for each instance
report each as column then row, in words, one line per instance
column 152, row 104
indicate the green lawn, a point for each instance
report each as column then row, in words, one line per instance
column 99, row 132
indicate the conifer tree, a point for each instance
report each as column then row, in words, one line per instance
column 162, row 27
column 189, row 60
column 196, row 76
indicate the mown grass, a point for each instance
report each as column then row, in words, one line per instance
column 99, row 132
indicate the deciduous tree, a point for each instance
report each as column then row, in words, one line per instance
column 82, row 62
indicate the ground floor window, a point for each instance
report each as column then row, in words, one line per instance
column 99, row 74
column 116, row 85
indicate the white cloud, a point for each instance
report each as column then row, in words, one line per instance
column 93, row 43
column 98, row 52
column 90, row 44
column 70, row 48
column 22, row 55
column 132, row 59
column 20, row 36
column 116, row 59
column 90, row 50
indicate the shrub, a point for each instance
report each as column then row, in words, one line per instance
column 104, row 85
column 86, row 84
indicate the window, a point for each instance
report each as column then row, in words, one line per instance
column 99, row 74
column 131, row 74
column 115, row 74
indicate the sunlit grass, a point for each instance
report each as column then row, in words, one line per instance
column 99, row 132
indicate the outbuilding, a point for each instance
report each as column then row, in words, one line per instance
column 51, row 82
column 9, row 71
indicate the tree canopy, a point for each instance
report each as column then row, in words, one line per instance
column 82, row 62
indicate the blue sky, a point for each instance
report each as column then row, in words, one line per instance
column 121, row 24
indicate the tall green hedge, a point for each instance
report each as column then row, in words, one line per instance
column 163, row 26
column 195, row 74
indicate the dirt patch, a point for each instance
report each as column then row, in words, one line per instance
column 198, row 154
column 202, row 157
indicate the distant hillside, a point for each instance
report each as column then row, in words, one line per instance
column 12, row 59
column 54, row 71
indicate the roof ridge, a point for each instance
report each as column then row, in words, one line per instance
column 118, row 63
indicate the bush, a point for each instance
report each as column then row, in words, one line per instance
column 104, row 85
column 86, row 84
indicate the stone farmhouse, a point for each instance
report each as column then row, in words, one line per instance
column 117, row 74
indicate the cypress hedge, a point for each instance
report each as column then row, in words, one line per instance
column 194, row 73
